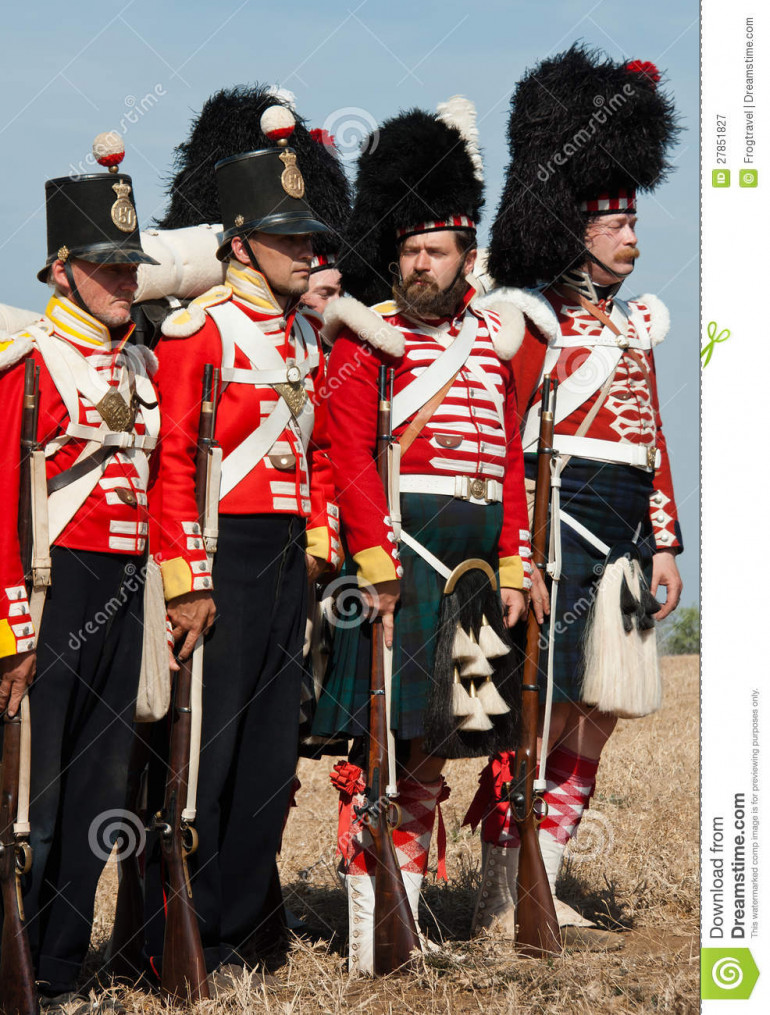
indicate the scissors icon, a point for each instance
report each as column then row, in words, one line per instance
column 708, row 349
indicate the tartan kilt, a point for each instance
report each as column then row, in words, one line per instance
column 453, row 530
column 611, row 501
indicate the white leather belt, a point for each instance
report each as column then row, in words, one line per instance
column 641, row 456
column 119, row 439
column 477, row 491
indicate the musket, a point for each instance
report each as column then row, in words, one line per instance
column 17, row 977
column 184, row 966
column 395, row 933
column 538, row 929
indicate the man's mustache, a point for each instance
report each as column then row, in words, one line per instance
column 628, row 254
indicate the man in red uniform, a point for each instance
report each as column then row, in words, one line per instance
column 570, row 223
column 278, row 523
column 98, row 423
column 418, row 201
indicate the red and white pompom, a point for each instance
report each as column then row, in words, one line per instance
column 109, row 150
column 277, row 123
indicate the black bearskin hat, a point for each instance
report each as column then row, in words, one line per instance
column 229, row 124
column 414, row 173
column 581, row 127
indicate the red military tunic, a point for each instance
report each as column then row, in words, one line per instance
column 286, row 479
column 473, row 435
column 631, row 412
column 113, row 517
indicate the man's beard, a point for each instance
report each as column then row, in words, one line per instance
column 427, row 300
column 114, row 318
column 292, row 289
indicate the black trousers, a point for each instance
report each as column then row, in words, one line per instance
column 251, row 697
column 82, row 705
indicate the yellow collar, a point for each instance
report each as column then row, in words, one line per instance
column 251, row 287
column 76, row 324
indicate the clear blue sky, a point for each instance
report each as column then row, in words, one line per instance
column 71, row 70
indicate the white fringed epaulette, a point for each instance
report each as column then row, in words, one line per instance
column 18, row 346
column 510, row 334
column 14, row 348
column 189, row 320
column 364, row 322
column 529, row 302
column 660, row 319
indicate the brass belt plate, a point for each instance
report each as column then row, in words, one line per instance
column 479, row 489
column 116, row 412
column 293, row 392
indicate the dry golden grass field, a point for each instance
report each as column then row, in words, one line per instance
column 633, row 867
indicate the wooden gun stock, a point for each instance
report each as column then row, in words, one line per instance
column 395, row 933
column 17, row 977
column 538, row 928
column 184, row 966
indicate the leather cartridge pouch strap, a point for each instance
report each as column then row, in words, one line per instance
column 600, row 315
column 421, row 418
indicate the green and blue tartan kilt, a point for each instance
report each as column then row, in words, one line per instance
column 453, row 530
column 612, row 502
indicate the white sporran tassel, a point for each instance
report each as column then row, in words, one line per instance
column 490, row 699
column 490, row 642
column 478, row 721
column 621, row 661
column 479, row 667
column 461, row 701
column 463, row 646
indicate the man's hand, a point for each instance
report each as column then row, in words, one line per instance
column 665, row 572
column 514, row 606
column 191, row 614
column 16, row 673
column 315, row 567
column 381, row 600
column 538, row 595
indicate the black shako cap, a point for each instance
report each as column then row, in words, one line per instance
column 252, row 197
column 94, row 218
